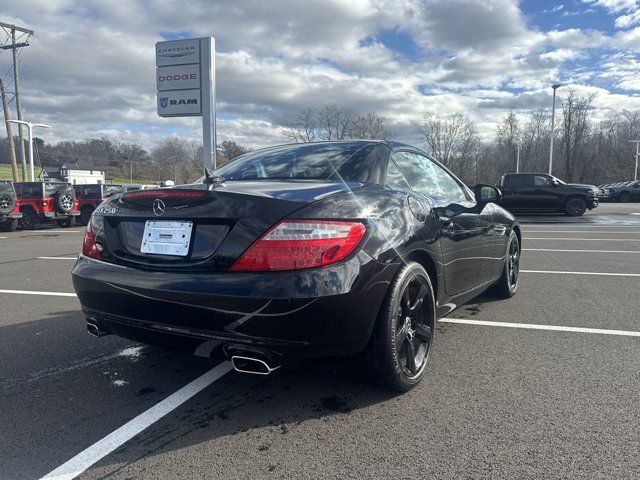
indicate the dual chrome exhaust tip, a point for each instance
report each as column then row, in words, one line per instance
column 94, row 329
column 240, row 363
column 253, row 365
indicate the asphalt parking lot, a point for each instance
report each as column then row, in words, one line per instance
column 544, row 385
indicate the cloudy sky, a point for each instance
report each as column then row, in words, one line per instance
column 89, row 70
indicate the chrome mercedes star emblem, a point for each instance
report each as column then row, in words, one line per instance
column 158, row 207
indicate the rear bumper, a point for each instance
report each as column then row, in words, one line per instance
column 58, row 216
column 304, row 314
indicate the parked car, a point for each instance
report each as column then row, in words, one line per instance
column 46, row 202
column 541, row 193
column 625, row 191
column 9, row 207
column 92, row 195
column 299, row 251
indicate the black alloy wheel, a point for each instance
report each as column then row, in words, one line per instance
column 625, row 197
column 30, row 219
column 400, row 346
column 507, row 285
column 575, row 207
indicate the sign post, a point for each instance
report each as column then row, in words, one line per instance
column 185, row 83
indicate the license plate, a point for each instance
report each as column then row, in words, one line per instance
column 162, row 237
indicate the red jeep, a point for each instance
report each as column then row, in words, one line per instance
column 44, row 201
column 9, row 207
column 90, row 196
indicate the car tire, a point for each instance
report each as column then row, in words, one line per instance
column 399, row 348
column 507, row 286
column 85, row 215
column 575, row 207
column 30, row 219
column 8, row 225
column 625, row 197
column 7, row 203
column 69, row 222
column 64, row 201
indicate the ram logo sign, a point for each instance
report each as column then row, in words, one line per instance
column 179, row 103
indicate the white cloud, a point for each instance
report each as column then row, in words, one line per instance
column 90, row 68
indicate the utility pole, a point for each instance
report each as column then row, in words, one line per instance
column 637, row 142
column 14, row 47
column 12, row 147
column 553, row 117
column 518, row 160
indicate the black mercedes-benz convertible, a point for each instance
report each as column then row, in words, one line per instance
column 299, row 251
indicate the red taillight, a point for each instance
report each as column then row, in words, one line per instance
column 296, row 244
column 89, row 247
column 165, row 194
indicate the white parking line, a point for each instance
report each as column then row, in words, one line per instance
column 586, row 239
column 583, row 251
column 115, row 439
column 58, row 258
column 584, row 273
column 534, row 326
column 582, row 231
column 576, row 225
column 40, row 232
column 28, row 292
column 3, row 237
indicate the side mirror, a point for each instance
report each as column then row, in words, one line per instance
column 487, row 194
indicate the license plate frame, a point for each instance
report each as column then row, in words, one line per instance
column 166, row 237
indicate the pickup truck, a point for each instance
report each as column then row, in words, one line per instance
column 542, row 193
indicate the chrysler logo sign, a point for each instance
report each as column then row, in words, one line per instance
column 158, row 207
column 176, row 52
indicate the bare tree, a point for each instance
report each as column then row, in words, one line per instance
column 334, row 122
column 231, row 150
column 453, row 140
column 304, row 129
column 575, row 130
column 170, row 156
column 369, row 126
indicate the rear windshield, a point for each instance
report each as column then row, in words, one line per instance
column 6, row 187
column 323, row 161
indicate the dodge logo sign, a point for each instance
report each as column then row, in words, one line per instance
column 158, row 207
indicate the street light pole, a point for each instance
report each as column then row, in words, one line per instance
column 637, row 142
column 518, row 160
column 553, row 116
column 30, row 129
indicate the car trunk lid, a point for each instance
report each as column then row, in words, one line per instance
column 222, row 221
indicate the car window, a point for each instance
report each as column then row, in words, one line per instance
column 31, row 190
column 428, row 178
column 92, row 191
column 395, row 178
column 6, row 187
column 541, row 181
column 321, row 161
column 518, row 181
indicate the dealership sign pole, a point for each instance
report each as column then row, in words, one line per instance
column 185, row 82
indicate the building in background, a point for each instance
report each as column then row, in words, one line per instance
column 78, row 172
